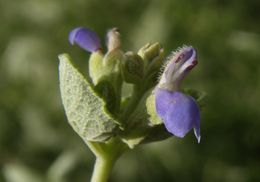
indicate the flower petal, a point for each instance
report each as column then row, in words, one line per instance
column 113, row 39
column 179, row 64
column 85, row 38
column 179, row 112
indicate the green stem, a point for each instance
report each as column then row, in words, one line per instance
column 102, row 169
column 106, row 156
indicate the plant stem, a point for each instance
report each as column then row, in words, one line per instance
column 106, row 156
column 102, row 169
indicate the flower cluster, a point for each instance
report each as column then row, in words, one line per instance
column 179, row 112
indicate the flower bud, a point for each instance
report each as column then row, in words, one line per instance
column 102, row 67
column 113, row 39
column 152, row 55
column 112, row 61
column 149, row 51
column 85, row 38
column 106, row 77
column 96, row 66
column 132, row 68
column 112, row 74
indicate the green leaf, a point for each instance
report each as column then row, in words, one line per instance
column 85, row 110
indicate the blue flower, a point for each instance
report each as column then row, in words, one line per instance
column 85, row 38
column 179, row 112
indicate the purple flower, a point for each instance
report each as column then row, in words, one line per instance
column 85, row 38
column 179, row 112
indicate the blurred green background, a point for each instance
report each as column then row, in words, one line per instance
column 36, row 142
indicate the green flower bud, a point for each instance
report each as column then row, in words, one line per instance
column 111, row 74
column 106, row 76
column 103, row 66
column 149, row 52
column 153, row 55
column 132, row 68
column 112, row 61
column 156, row 63
column 95, row 66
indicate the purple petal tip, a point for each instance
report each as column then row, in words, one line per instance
column 197, row 134
column 85, row 38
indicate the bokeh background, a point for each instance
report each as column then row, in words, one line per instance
column 36, row 142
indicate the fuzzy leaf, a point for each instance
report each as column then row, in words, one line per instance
column 85, row 110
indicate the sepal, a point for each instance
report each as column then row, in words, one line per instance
column 132, row 68
column 96, row 67
column 149, row 51
column 154, row 119
column 152, row 55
